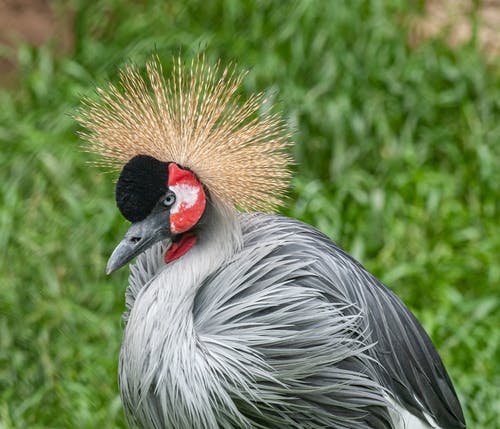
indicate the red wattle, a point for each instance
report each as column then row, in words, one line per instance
column 176, row 250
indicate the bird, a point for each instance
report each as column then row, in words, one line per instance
column 238, row 317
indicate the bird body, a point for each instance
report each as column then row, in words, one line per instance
column 285, row 328
column 252, row 321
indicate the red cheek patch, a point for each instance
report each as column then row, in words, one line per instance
column 190, row 199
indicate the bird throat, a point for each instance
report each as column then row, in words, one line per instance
column 179, row 248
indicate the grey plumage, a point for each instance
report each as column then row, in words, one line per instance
column 266, row 323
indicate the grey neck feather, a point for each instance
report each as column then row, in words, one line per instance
column 219, row 237
column 160, row 334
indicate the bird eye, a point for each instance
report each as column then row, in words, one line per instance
column 169, row 200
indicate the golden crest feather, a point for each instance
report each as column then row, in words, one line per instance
column 195, row 120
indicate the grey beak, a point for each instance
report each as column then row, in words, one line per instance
column 139, row 237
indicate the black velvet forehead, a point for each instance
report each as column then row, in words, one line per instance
column 142, row 182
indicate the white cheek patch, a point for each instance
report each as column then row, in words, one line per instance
column 186, row 196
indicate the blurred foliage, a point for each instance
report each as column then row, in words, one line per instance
column 398, row 160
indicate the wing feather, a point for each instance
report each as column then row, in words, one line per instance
column 410, row 367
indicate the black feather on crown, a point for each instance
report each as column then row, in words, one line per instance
column 143, row 180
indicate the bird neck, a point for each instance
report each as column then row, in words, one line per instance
column 218, row 237
column 160, row 343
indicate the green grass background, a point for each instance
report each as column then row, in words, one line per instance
column 398, row 160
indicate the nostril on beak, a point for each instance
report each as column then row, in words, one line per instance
column 135, row 240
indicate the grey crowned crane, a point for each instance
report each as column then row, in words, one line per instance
column 244, row 320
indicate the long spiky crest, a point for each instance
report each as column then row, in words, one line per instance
column 197, row 121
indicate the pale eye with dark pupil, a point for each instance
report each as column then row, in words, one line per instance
column 169, row 200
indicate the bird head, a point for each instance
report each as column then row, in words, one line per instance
column 163, row 201
column 183, row 145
